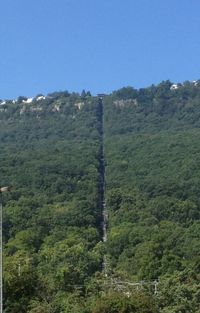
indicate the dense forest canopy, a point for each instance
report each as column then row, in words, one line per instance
column 51, row 156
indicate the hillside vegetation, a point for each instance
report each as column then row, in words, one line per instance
column 50, row 152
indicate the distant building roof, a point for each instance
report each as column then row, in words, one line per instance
column 174, row 86
column 101, row 95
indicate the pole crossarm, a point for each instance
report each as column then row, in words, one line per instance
column 124, row 285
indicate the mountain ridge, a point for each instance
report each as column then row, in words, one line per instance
column 51, row 153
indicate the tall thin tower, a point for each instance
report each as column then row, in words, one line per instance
column 2, row 190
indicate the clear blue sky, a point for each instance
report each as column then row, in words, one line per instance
column 97, row 45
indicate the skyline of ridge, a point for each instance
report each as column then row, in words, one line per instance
column 39, row 94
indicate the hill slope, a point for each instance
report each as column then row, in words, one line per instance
column 51, row 153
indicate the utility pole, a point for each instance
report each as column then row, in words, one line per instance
column 2, row 190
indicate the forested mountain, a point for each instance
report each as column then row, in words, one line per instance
column 138, row 152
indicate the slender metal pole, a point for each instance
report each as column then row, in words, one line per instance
column 2, row 189
column 1, row 256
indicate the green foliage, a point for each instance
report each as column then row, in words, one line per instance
column 180, row 293
column 50, row 153
column 117, row 303
column 152, row 185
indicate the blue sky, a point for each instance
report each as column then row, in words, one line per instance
column 97, row 45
